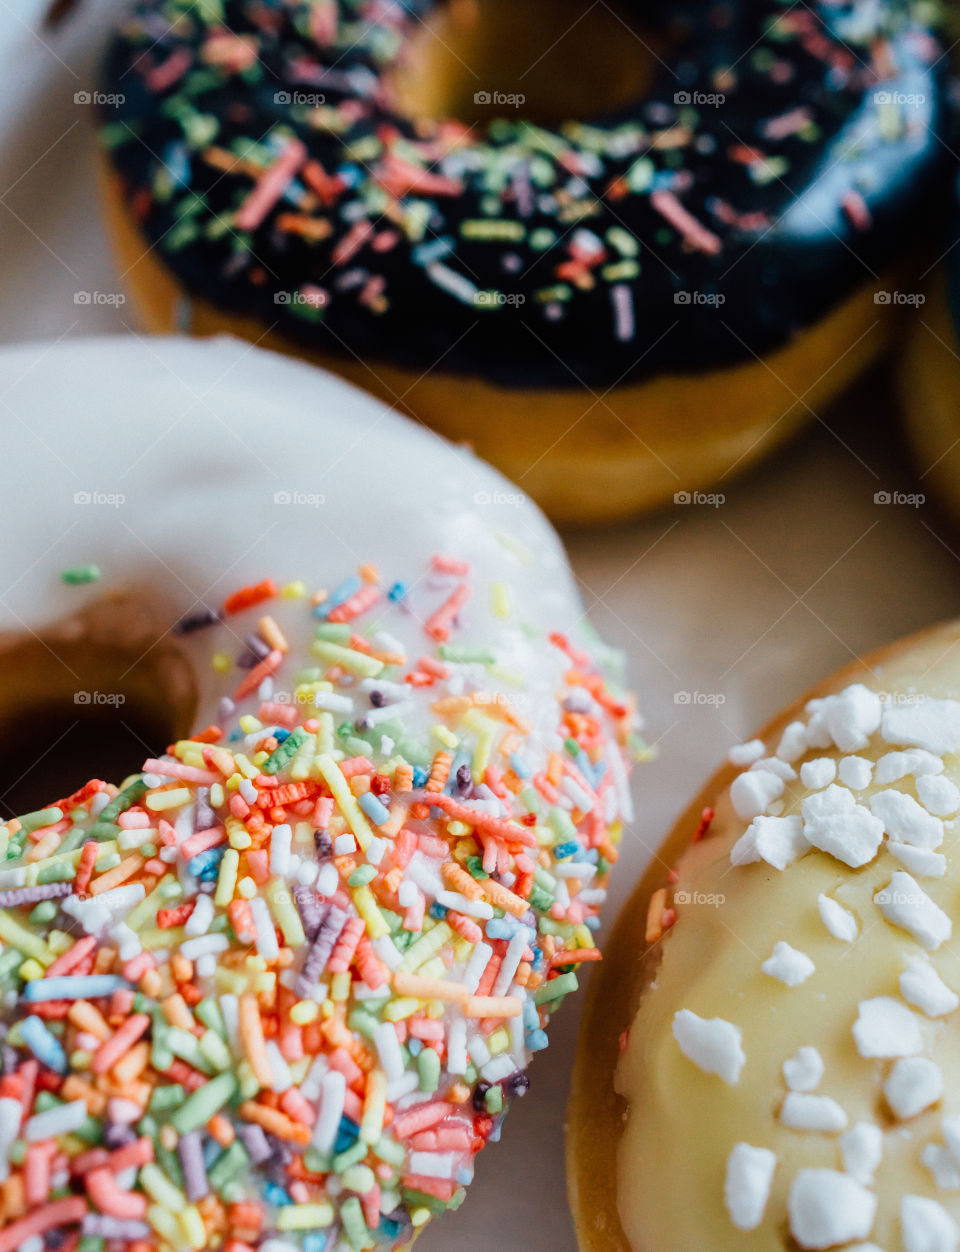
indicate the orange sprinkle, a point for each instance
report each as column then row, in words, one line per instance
column 654, row 927
column 247, row 597
column 275, row 1122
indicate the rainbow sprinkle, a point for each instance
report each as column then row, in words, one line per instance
column 277, row 990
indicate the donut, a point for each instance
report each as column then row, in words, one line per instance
column 769, row 1055
column 277, row 986
column 611, row 309
column 929, row 373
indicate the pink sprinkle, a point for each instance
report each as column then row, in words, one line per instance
column 272, row 184
column 855, row 207
column 163, row 76
column 438, row 626
column 188, row 773
column 624, row 322
column 202, row 840
column 352, row 242
column 695, row 233
column 420, row 1118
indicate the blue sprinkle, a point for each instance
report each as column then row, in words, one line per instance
column 206, row 863
column 280, row 735
column 437, row 911
column 90, row 987
column 464, row 1177
column 347, row 1133
column 592, row 923
column 44, row 1045
column 519, row 766
column 498, row 928
column 414, row 1046
column 389, row 1229
column 537, row 1040
column 563, row 850
column 276, row 1194
column 420, row 776
column 316, row 1240
column 374, row 808
column 235, row 736
column 531, row 1018
column 397, row 592
column 537, row 961
column 347, row 588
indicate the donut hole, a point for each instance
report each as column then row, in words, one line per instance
column 92, row 698
column 474, row 60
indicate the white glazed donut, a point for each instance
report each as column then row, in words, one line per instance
column 773, row 1038
column 277, row 990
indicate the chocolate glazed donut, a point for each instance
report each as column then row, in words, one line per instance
column 778, row 163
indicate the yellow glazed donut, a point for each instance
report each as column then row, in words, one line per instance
column 769, row 1058
column 627, row 302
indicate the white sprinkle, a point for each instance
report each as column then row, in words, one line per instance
column 198, row 923
column 744, row 754
column 404, row 1086
column 752, row 792
column 472, row 908
column 511, row 960
column 938, row 795
column 941, row 1164
column 433, row 1164
column 926, row 1225
column 344, row 845
column 280, row 841
column 388, row 1049
column 803, row 1070
column 950, row 1126
column 204, row 945
column 746, row 1189
column 919, row 861
column 11, row 1113
column 922, row 986
column 777, row 840
column 793, row 742
column 861, row 1150
column 827, row 1208
column 331, row 702
column 848, row 718
column 812, row 1112
column 714, row 1045
column 267, row 945
column 915, row 761
column 835, row 823
column 855, row 772
column 328, row 880
column 282, row 1078
column 913, row 1084
column 478, row 962
column 904, row 903
column 905, row 820
column 457, row 1046
column 840, row 922
column 818, row 773
column 774, row 765
column 333, row 1089
column 60, row 1120
column 886, row 1028
column 930, row 724
column 788, row 965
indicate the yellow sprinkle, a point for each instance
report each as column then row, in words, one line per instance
column 247, row 888
column 285, row 913
column 227, row 880
column 165, row 1224
column 357, row 662
column 31, row 969
column 374, row 1107
column 444, row 735
column 345, row 800
column 304, row 1216
column 160, row 801
column 499, row 1041
column 429, row 943
column 249, row 724
column 155, row 937
column 397, row 1010
column 216, row 795
column 237, row 833
column 340, row 987
column 325, row 735
column 501, row 599
column 419, row 1217
column 221, row 662
column 369, row 910
column 246, row 767
column 294, row 591
column 192, row 1225
column 304, row 1011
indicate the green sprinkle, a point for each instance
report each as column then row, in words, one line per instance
column 428, row 1070
column 465, row 654
column 228, row 1163
column 77, row 575
column 41, row 817
column 354, row 1227
column 349, row 1156
column 204, row 1103
column 286, row 751
column 555, row 989
column 493, row 1100
column 362, row 875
